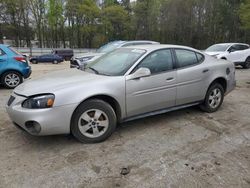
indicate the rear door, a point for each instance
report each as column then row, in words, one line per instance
column 191, row 75
column 155, row 92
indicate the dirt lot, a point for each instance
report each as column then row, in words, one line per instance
column 186, row 148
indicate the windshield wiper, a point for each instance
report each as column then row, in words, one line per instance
column 96, row 71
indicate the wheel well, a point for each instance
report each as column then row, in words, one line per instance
column 110, row 100
column 221, row 81
column 224, row 58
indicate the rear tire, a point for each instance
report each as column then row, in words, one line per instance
column 93, row 121
column 11, row 79
column 214, row 98
column 247, row 63
column 55, row 62
column 34, row 62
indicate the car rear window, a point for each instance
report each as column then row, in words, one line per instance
column 14, row 51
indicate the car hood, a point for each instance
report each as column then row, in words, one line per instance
column 88, row 55
column 214, row 53
column 49, row 83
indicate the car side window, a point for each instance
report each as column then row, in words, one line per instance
column 200, row 57
column 157, row 62
column 186, row 57
column 234, row 48
column 1, row 52
column 243, row 47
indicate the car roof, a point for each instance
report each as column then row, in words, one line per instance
column 122, row 42
column 152, row 47
column 232, row 44
column 4, row 45
column 141, row 41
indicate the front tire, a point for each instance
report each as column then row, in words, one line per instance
column 11, row 79
column 247, row 63
column 93, row 121
column 214, row 98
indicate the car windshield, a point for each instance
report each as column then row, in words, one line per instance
column 109, row 47
column 218, row 48
column 116, row 63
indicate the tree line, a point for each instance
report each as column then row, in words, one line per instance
column 91, row 23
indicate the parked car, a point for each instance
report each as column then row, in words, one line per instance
column 66, row 54
column 83, row 59
column 47, row 58
column 126, row 84
column 13, row 67
column 237, row 53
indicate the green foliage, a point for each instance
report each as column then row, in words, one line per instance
column 245, row 14
column 116, row 22
column 82, row 23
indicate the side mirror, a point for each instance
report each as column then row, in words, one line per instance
column 139, row 73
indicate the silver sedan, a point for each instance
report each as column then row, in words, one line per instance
column 123, row 85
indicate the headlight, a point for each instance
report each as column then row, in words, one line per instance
column 83, row 59
column 40, row 101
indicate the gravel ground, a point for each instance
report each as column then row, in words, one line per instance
column 185, row 148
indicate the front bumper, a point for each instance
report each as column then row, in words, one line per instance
column 50, row 121
column 75, row 63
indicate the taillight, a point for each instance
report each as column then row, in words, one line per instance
column 21, row 59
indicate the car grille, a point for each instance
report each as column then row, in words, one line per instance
column 74, row 64
column 10, row 101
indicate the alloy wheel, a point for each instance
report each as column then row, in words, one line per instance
column 247, row 65
column 12, row 80
column 215, row 98
column 93, row 123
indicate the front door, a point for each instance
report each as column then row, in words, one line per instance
column 155, row 92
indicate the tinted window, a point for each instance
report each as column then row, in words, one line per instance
column 186, row 58
column 158, row 61
column 14, row 51
column 243, row 47
column 200, row 57
column 238, row 47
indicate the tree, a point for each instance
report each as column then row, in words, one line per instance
column 244, row 13
column 115, row 22
column 37, row 8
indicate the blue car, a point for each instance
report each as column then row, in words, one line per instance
column 13, row 67
column 47, row 58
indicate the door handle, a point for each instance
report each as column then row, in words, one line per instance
column 205, row 70
column 169, row 79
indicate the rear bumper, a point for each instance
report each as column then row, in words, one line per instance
column 231, row 84
column 239, row 63
column 27, row 72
